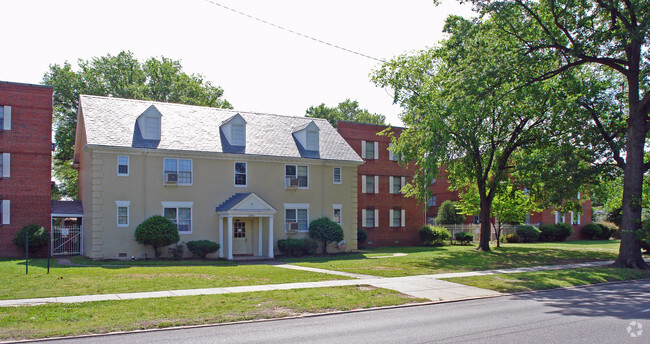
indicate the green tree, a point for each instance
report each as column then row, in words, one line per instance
column 325, row 230
column 346, row 111
column 157, row 231
column 510, row 205
column 449, row 214
column 122, row 76
column 611, row 36
column 466, row 108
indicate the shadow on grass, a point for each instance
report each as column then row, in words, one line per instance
column 81, row 262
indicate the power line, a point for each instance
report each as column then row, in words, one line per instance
column 295, row 32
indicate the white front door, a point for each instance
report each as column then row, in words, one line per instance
column 241, row 237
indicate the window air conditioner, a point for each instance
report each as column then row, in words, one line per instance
column 171, row 178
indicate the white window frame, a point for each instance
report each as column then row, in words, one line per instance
column 340, row 175
column 391, row 182
column 338, row 207
column 6, row 118
column 122, row 204
column 392, row 156
column 6, row 212
column 179, row 205
column 235, row 130
column 432, row 201
column 152, row 127
column 296, row 207
column 178, row 160
column 375, row 218
column 394, row 213
column 286, row 177
column 375, row 148
column 128, row 165
column 364, row 187
column 559, row 217
column 235, row 173
column 573, row 218
column 6, row 165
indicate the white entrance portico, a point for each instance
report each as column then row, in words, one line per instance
column 244, row 214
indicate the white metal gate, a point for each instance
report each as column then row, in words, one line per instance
column 66, row 241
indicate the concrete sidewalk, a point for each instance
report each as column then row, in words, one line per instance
column 423, row 286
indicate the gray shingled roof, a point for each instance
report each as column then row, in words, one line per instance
column 232, row 201
column 66, row 208
column 112, row 122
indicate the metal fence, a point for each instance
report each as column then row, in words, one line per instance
column 67, row 241
column 475, row 229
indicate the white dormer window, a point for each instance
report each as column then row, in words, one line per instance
column 149, row 123
column 234, row 129
column 312, row 140
column 307, row 136
column 238, row 134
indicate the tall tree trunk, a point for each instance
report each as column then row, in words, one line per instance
column 629, row 255
column 484, row 216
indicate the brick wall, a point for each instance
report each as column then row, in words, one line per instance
column 29, row 142
column 384, row 201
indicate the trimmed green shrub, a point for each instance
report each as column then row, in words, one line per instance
column 297, row 247
column 158, row 232
column 464, row 237
column 362, row 236
column 448, row 214
column 512, row 238
column 593, row 231
column 325, row 230
column 556, row 232
column 434, row 236
column 38, row 237
column 563, row 231
column 176, row 251
column 202, row 248
column 527, row 233
column 606, row 231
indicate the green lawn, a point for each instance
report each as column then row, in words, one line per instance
column 540, row 280
column 110, row 316
column 432, row 260
column 104, row 279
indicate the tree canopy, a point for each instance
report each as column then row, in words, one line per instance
column 608, row 40
column 466, row 108
column 121, row 76
column 346, row 111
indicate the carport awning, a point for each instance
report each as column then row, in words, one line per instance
column 66, row 209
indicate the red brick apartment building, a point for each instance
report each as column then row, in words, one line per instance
column 26, row 148
column 392, row 219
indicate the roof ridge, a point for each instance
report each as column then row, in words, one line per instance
column 199, row 106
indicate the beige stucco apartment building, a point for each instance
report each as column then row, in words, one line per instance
column 242, row 179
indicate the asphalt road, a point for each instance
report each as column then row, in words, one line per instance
column 593, row 314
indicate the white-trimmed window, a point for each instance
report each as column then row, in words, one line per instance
column 476, row 219
column 122, row 165
column 432, row 200
column 240, row 174
column 5, row 165
column 312, row 140
column 397, row 217
column 337, row 211
column 238, row 134
column 152, row 127
column 370, row 150
column 337, row 175
column 392, row 156
column 296, row 175
column 369, row 184
column 5, row 117
column 527, row 220
column 180, row 213
column 5, row 212
column 369, row 218
column 575, row 218
column 181, row 168
column 296, row 213
column 396, row 184
column 122, row 213
column 559, row 217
